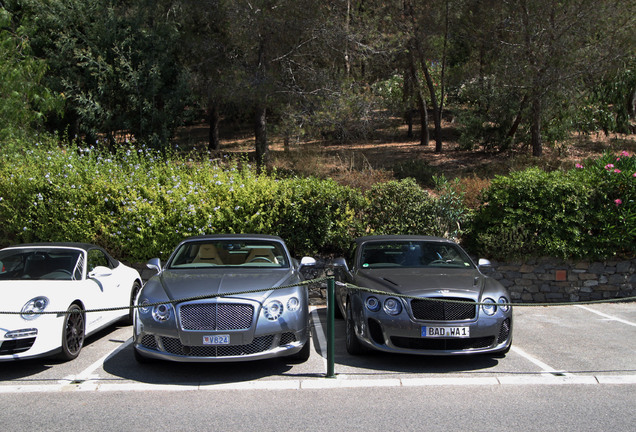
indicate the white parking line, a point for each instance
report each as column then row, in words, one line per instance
column 89, row 373
column 319, row 333
column 545, row 368
column 604, row 315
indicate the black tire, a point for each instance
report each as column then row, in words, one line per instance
column 73, row 333
column 353, row 344
column 133, row 295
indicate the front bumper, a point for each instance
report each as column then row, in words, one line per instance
column 403, row 334
column 261, row 347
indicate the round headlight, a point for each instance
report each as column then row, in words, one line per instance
column 392, row 306
column 293, row 304
column 504, row 304
column 143, row 306
column 372, row 303
column 161, row 312
column 273, row 310
column 489, row 307
column 34, row 307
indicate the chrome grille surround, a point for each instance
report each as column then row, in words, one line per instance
column 433, row 309
column 212, row 316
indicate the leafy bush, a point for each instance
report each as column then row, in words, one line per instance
column 588, row 212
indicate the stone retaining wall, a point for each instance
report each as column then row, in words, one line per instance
column 549, row 280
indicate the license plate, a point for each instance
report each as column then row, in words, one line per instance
column 216, row 340
column 447, row 332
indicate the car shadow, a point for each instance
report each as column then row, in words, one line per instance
column 122, row 364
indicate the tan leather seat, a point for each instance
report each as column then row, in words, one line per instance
column 208, row 254
column 265, row 255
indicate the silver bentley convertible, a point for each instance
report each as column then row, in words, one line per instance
column 420, row 295
column 224, row 298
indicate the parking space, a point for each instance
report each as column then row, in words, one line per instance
column 565, row 344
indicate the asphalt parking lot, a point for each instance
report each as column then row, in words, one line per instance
column 593, row 344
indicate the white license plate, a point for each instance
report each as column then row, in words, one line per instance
column 447, row 332
column 216, row 340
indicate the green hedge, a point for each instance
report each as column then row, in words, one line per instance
column 139, row 204
column 586, row 212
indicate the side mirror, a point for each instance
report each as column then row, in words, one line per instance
column 340, row 262
column 100, row 271
column 154, row 264
column 307, row 261
column 484, row 263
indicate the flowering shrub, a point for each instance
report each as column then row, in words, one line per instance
column 589, row 211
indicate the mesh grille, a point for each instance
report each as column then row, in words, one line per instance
column 149, row 341
column 216, row 316
column 287, row 338
column 504, row 331
column 435, row 310
column 442, row 344
column 259, row 344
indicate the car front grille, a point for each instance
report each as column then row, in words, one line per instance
column 259, row 344
column 216, row 316
column 17, row 346
column 435, row 309
column 436, row 344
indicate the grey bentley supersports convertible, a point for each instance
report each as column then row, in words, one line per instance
column 428, row 298
column 218, row 299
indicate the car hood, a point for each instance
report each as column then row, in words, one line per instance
column 424, row 282
column 181, row 284
column 15, row 293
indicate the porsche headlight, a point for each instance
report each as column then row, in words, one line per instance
column 503, row 304
column 489, row 307
column 273, row 310
column 34, row 307
column 161, row 312
column 392, row 306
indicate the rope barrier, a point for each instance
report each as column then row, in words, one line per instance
column 323, row 279
column 186, row 299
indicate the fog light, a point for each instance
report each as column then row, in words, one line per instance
column 30, row 332
column 392, row 306
column 161, row 312
column 489, row 307
column 504, row 304
column 293, row 304
column 372, row 303
column 273, row 310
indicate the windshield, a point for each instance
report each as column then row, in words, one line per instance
column 229, row 253
column 413, row 254
column 41, row 264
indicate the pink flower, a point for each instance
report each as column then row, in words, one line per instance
column 617, row 171
column 618, row 202
column 624, row 153
column 579, row 166
column 609, row 166
column 634, row 175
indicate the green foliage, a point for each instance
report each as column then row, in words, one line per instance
column 588, row 212
column 400, row 207
column 24, row 99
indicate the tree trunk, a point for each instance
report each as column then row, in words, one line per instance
column 213, row 117
column 260, row 134
column 535, row 128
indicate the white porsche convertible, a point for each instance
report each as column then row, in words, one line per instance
column 46, row 289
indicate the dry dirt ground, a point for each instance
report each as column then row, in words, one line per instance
column 363, row 163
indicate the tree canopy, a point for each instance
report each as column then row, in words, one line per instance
column 516, row 72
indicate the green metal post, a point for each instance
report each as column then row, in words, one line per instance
column 331, row 304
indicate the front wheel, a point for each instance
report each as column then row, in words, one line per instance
column 73, row 333
column 133, row 296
